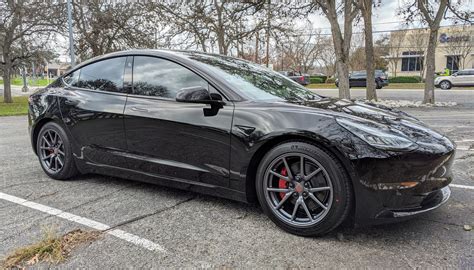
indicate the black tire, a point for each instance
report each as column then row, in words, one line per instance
column 378, row 85
column 68, row 168
column 445, row 85
column 338, row 209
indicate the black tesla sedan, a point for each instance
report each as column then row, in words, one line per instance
column 227, row 127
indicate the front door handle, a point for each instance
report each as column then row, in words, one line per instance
column 138, row 109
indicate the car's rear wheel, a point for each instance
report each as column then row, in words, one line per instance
column 54, row 152
column 445, row 85
column 303, row 188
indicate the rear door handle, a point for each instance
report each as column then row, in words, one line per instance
column 138, row 109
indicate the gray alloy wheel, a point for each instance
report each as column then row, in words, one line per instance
column 298, row 189
column 54, row 152
column 51, row 151
column 445, row 85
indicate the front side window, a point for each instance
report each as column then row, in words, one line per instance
column 251, row 80
column 162, row 78
column 106, row 75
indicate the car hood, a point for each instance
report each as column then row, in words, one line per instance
column 410, row 126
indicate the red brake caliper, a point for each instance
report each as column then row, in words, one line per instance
column 282, row 183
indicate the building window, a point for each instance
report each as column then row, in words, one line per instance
column 452, row 62
column 412, row 61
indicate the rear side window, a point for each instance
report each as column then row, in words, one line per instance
column 162, row 78
column 106, row 75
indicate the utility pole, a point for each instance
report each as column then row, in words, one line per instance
column 71, row 38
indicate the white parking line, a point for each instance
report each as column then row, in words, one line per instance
column 134, row 239
column 464, row 148
column 461, row 186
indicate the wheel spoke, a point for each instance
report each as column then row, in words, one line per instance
column 46, row 140
column 278, row 189
column 312, row 174
column 295, row 209
column 48, row 157
column 283, row 200
column 306, row 210
column 61, row 152
column 45, row 148
column 56, row 163
column 319, row 189
column 280, row 176
column 60, row 161
column 317, row 201
column 290, row 175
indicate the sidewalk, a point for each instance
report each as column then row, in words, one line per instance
column 16, row 90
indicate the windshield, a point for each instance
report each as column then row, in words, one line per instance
column 254, row 81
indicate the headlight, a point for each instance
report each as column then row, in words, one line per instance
column 378, row 135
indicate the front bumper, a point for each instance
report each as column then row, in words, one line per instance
column 381, row 199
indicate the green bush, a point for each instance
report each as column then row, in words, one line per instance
column 331, row 80
column 405, row 79
column 316, row 80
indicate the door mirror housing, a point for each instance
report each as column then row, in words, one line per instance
column 198, row 94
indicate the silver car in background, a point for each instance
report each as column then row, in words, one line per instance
column 461, row 78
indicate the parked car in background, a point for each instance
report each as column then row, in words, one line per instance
column 298, row 77
column 359, row 79
column 460, row 78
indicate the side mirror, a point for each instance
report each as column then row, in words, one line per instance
column 198, row 94
column 455, row 74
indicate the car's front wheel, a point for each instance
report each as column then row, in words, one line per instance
column 445, row 85
column 54, row 152
column 303, row 188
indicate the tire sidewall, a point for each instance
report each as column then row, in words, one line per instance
column 445, row 88
column 69, row 168
column 339, row 180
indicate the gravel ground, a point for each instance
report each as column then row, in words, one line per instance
column 203, row 231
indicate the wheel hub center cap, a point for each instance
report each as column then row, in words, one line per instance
column 299, row 188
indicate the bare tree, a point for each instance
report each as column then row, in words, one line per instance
column 327, row 58
column 417, row 41
column 301, row 52
column 106, row 26
column 25, row 26
column 341, row 38
column 396, row 47
column 366, row 10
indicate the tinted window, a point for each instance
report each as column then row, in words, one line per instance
column 71, row 78
column 106, row 75
column 251, row 80
column 162, row 78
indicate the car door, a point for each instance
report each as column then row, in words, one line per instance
column 458, row 78
column 170, row 139
column 463, row 78
column 92, row 103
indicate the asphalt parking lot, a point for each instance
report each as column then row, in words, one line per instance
column 173, row 228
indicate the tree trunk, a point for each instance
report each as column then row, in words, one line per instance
column 429, row 96
column 343, row 74
column 7, row 91
column 256, row 48
column 371, row 93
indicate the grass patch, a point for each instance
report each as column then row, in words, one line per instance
column 18, row 107
column 52, row 249
column 18, row 81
